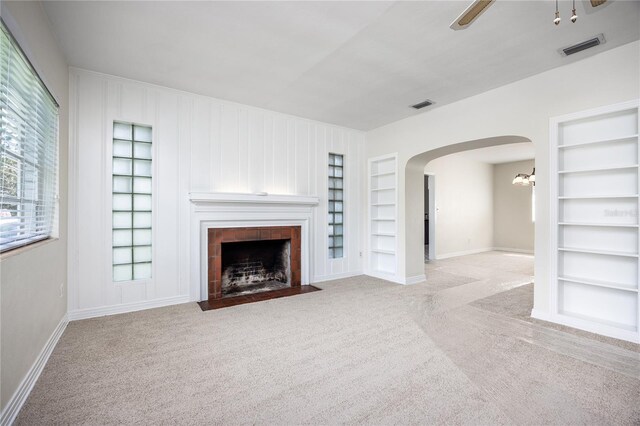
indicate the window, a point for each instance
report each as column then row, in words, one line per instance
column 336, row 206
column 131, row 202
column 28, row 150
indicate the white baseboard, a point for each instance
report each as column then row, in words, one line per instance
column 513, row 250
column 415, row 279
column 101, row 311
column 585, row 325
column 463, row 253
column 323, row 278
column 21, row 394
column 541, row 315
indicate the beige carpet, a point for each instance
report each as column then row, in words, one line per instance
column 361, row 351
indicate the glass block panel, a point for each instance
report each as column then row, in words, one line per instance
column 338, row 172
column 335, row 205
column 132, row 202
column 122, row 148
column 122, row 256
column 142, row 168
column 142, row 133
column 330, row 217
column 142, row 185
column 141, row 271
column 338, row 195
column 338, row 160
column 337, row 230
column 338, row 252
column 142, row 220
column 338, row 206
column 121, row 220
column 331, row 253
column 331, row 229
column 338, row 218
column 337, row 241
column 142, row 254
column 332, row 171
column 122, row 184
column 142, row 202
column 330, row 241
column 141, row 237
column 122, row 238
column 122, row 273
column 122, row 131
column 142, row 150
column 121, row 166
column 338, row 183
column 121, row 202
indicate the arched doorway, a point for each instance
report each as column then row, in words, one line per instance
column 414, row 195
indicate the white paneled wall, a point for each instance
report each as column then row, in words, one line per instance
column 200, row 144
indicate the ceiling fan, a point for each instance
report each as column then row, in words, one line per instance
column 478, row 7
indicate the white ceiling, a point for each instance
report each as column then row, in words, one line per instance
column 357, row 64
column 500, row 153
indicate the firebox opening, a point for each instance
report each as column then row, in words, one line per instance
column 255, row 266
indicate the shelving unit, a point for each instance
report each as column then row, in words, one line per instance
column 596, row 241
column 383, row 214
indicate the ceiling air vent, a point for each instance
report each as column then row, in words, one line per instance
column 579, row 47
column 422, row 104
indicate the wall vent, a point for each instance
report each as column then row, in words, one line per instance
column 579, row 47
column 422, row 104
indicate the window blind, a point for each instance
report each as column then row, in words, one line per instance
column 28, row 150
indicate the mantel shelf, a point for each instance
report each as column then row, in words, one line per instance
column 244, row 198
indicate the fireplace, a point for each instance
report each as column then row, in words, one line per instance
column 244, row 261
column 255, row 266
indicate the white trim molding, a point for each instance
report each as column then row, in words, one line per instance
column 102, row 311
column 513, row 250
column 228, row 210
column 464, row 253
column 586, row 325
column 21, row 394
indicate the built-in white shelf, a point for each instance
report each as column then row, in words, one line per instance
column 599, row 169
column 598, row 283
column 597, row 197
column 375, row 250
column 598, row 141
column 383, row 214
column 595, row 172
column 602, row 252
column 605, row 225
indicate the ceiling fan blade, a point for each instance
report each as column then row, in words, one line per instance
column 596, row 3
column 471, row 13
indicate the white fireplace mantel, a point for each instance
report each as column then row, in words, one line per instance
column 207, row 198
column 237, row 210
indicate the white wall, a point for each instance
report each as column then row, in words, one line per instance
column 522, row 108
column 201, row 145
column 32, row 305
column 464, row 203
column 513, row 227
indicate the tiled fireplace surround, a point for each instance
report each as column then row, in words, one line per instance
column 217, row 236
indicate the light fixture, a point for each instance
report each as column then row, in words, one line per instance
column 557, row 20
column 574, row 17
column 524, row 179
